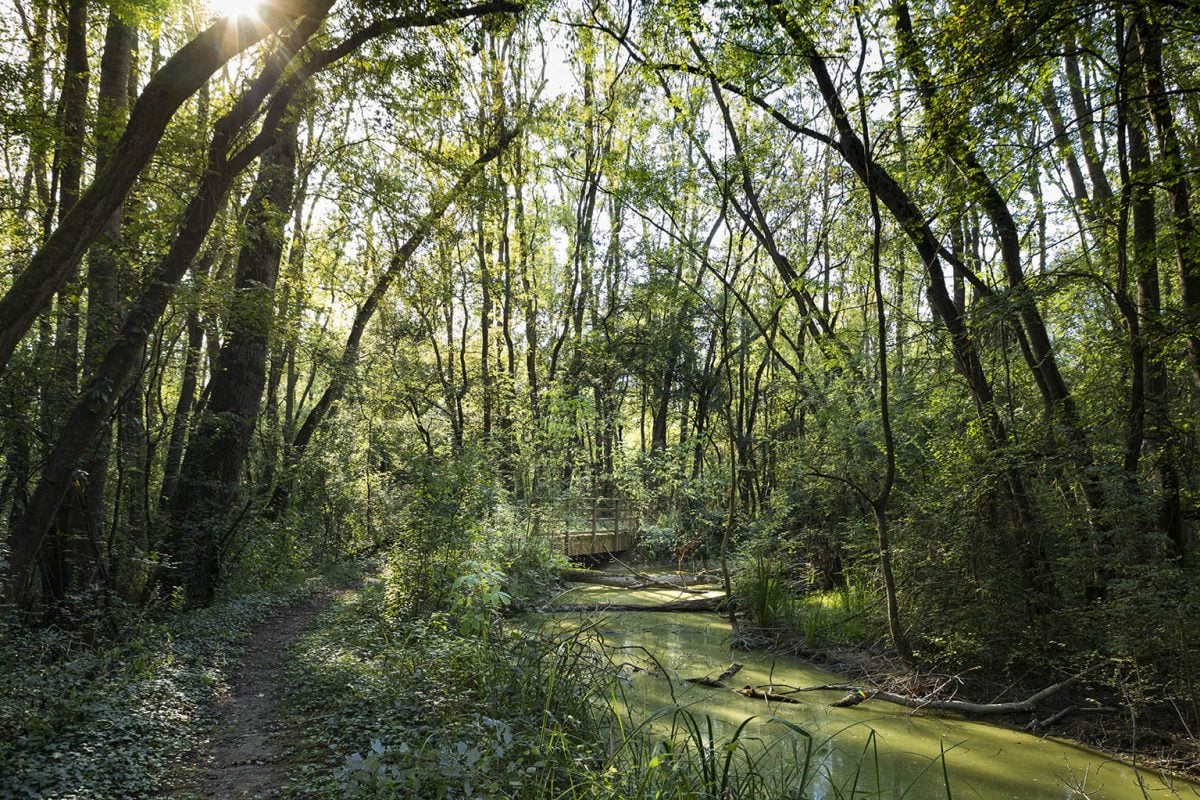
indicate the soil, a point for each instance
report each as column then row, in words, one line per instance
column 245, row 755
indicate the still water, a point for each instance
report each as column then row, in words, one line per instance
column 876, row 749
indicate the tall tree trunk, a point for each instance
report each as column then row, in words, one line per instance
column 100, row 395
column 529, row 311
column 207, row 499
column 181, row 420
column 1043, row 362
column 1150, row 352
column 103, row 269
column 1148, row 38
column 67, row 553
column 1101, row 189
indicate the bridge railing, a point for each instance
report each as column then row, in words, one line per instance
column 594, row 525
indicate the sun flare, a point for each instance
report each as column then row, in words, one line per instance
column 235, row 8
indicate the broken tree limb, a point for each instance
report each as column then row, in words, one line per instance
column 978, row 709
column 826, row 687
column 733, row 669
column 1038, row 724
column 855, row 697
column 771, row 697
column 635, row 581
column 706, row 681
column 716, row 682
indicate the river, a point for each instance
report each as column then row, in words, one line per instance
column 876, row 749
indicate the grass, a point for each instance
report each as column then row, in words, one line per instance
column 836, row 616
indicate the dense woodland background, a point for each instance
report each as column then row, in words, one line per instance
column 899, row 293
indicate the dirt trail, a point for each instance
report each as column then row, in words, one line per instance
column 250, row 738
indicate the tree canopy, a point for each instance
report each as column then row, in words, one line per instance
column 900, row 289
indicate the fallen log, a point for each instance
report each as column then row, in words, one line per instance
column 706, row 681
column 854, row 698
column 732, row 670
column 1036, row 724
column 772, row 697
column 959, row 706
column 635, row 581
column 698, row 604
column 717, row 682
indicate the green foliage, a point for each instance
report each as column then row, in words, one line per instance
column 759, row 585
column 529, row 562
column 440, row 712
column 441, row 510
column 421, row 708
column 479, row 598
column 843, row 615
column 115, row 718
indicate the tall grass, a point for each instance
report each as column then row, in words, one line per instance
column 839, row 616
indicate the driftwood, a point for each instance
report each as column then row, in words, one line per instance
column 772, row 697
column 979, row 709
column 699, row 604
column 854, row 698
column 717, row 682
column 960, row 706
column 1036, row 724
column 859, row 695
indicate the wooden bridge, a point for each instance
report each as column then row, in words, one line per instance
column 600, row 526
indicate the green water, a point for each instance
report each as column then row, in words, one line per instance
column 902, row 750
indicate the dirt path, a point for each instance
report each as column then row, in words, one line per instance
column 244, row 758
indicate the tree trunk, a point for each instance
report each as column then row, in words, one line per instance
column 102, row 390
column 207, row 497
column 1150, row 353
column 1148, row 38
column 68, row 553
column 103, row 270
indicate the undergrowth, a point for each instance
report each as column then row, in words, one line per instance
column 89, row 717
column 844, row 615
column 396, row 706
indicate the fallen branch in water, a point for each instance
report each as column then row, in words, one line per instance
column 980, row 709
column 860, row 695
column 771, row 697
column 960, row 706
column 1036, row 724
column 717, row 682
column 680, row 582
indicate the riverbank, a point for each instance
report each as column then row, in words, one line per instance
column 1063, row 716
column 1088, row 712
column 385, row 705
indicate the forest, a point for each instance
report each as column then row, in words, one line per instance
column 883, row 314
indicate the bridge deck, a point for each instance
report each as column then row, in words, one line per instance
column 587, row 543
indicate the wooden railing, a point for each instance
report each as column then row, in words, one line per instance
column 605, row 526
